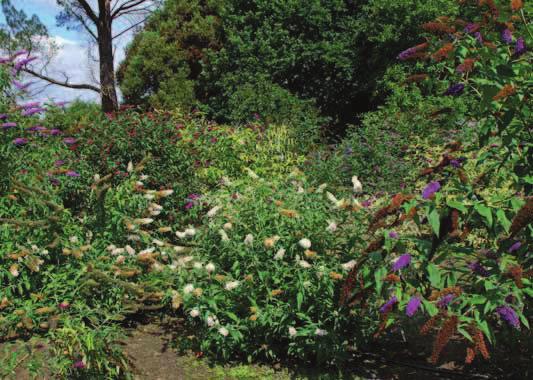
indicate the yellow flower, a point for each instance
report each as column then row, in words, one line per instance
column 335, row 276
column 276, row 292
column 198, row 292
column 289, row 213
column 270, row 242
column 253, row 317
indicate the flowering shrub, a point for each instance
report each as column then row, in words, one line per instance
column 458, row 251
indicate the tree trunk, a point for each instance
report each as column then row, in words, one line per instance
column 105, row 50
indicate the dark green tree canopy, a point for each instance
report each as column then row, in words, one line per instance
column 331, row 52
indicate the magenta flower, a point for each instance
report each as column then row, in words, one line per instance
column 401, row 262
column 54, row 181
column 445, row 301
column 393, row 235
column 515, row 247
column 508, row 313
column 9, row 125
column 78, row 364
column 55, row 132
column 3, row 116
column 478, row 37
column 32, row 111
column 4, row 60
column 430, row 189
column 507, row 36
column 63, row 305
column 412, row 306
column 70, row 140
column 59, row 163
column 24, row 62
column 388, row 305
column 455, row 89
column 19, row 141
column 520, row 47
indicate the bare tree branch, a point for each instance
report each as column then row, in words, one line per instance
column 88, row 10
column 78, row 86
column 130, row 27
column 125, row 6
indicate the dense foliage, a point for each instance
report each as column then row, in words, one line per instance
column 286, row 53
column 268, row 245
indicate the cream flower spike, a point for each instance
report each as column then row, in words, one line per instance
column 357, row 185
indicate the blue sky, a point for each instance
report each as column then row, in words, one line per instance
column 72, row 58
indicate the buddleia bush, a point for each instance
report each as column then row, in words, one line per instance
column 459, row 246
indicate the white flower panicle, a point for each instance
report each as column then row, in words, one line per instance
column 249, row 239
column 292, row 332
column 210, row 268
column 321, row 188
column 332, row 198
column 357, row 185
column 320, row 332
column 227, row 226
column 223, row 235
column 211, row 213
column 190, row 231
column 129, row 169
column 332, row 227
column 349, row 265
column 189, row 288
column 251, row 173
column 231, row 285
column 304, row 264
column 279, row 254
column 143, row 221
column 305, row 243
column 194, row 313
column 223, row 331
column 130, row 250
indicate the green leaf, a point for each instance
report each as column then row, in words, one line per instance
column 434, row 275
column 299, row 300
column 502, row 218
column 430, row 308
column 485, row 212
column 434, row 221
column 457, row 205
column 378, row 276
column 465, row 334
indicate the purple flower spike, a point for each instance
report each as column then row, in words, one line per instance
column 19, row 141
column 520, row 47
column 477, row 268
column 69, row 140
column 393, row 235
column 54, row 181
column 406, row 54
column 29, row 105
column 3, row 116
column 445, row 301
column 55, row 132
column 32, row 111
column 59, row 163
column 412, row 306
column 401, row 262
column 471, row 27
column 72, row 173
column 21, row 86
column 36, row 128
column 18, row 53
column 515, row 247
column 455, row 163
column 478, row 37
column 455, row 89
column 389, row 305
column 507, row 36
column 10, row 125
column 430, row 189
column 508, row 313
